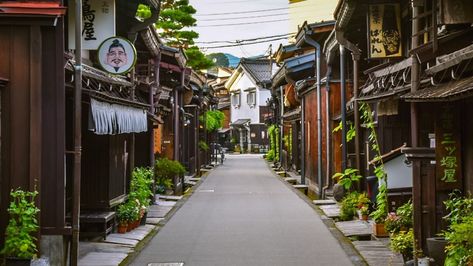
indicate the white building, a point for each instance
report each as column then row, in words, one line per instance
column 249, row 87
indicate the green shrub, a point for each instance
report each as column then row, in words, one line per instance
column 349, row 206
column 403, row 242
column 213, row 120
column 20, row 241
column 460, row 231
column 347, row 178
column 140, row 186
column 270, row 155
column 165, row 171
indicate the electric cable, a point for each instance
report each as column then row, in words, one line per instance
column 243, row 23
column 240, row 44
column 260, row 16
column 249, row 11
column 247, row 40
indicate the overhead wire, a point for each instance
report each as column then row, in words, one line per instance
column 257, row 16
column 240, row 44
column 247, row 40
column 243, row 23
column 249, row 11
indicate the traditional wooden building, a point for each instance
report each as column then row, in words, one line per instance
column 318, row 94
column 295, row 64
column 118, row 113
column 418, row 85
column 217, row 80
column 32, row 115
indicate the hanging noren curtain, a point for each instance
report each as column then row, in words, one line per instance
column 110, row 119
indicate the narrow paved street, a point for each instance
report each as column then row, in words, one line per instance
column 242, row 214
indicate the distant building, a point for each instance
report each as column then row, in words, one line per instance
column 249, row 87
column 218, row 77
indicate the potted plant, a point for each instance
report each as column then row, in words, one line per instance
column 403, row 242
column 20, row 241
column 364, row 213
column 363, row 200
column 140, row 189
column 379, row 217
column 381, row 211
column 401, row 220
column 123, row 216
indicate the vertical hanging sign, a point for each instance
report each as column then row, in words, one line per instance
column 448, row 149
column 98, row 22
column 384, row 31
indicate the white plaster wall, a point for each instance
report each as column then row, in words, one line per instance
column 244, row 111
column 399, row 174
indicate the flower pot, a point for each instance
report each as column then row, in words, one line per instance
column 129, row 227
column 436, row 249
column 122, row 228
column 136, row 223
column 364, row 217
column 11, row 261
column 379, row 230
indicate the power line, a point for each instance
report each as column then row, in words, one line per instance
column 252, row 39
column 241, row 44
column 243, row 23
column 249, row 11
column 260, row 16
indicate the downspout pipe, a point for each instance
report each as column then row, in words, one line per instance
column 281, row 133
column 303, row 141
column 343, row 107
column 317, row 47
column 327, row 128
column 356, row 53
column 77, row 135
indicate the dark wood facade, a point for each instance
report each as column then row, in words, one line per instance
column 32, row 116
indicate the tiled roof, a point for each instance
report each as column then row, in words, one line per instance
column 258, row 69
column 450, row 91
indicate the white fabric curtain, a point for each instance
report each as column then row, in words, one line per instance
column 110, row 119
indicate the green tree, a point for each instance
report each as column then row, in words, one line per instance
column 174, row 17
column 213, row 120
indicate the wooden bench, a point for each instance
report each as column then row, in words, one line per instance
column 96, row 223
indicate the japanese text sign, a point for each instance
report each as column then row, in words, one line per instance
column 448, row 149
column 384, row 31
column 98, row 23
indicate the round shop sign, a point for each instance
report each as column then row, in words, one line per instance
column 117, row 55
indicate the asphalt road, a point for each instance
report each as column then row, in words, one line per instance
column 242, row 214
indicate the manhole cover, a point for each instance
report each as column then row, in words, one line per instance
column 206, row 190
column 166, row 264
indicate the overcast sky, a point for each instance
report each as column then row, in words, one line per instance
column 210, row 21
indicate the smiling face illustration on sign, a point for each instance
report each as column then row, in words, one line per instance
column 117, row 55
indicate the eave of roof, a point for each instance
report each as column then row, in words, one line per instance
column 32, row 8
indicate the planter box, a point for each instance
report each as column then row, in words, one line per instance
column 379, row 230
